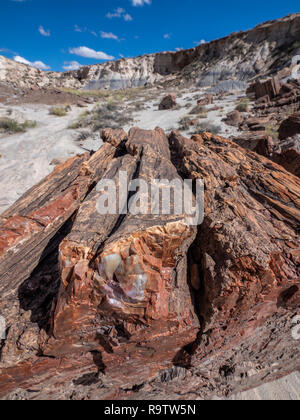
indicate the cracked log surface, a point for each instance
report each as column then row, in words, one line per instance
column 131, row 306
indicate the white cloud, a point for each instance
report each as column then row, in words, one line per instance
column 84, row 29
column 43, row 32
column 37, row 64
column 140, row 2
column 90, row 53
column 200, row 42
column 109, row 35
column 119, row 13
column 127, row 17
column 78, row 29
column 71, row 65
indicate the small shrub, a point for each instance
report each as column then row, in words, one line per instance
column 207, row 127
column 79, row 122
column 104, row 116
column 198, row 110
column 29, row 124
column 184, row 124
column 12, row 126
column 58, row 111
column 243, row 105
column 202, row 115
column 272, row 131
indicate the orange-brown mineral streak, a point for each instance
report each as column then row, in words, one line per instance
column 138, row 269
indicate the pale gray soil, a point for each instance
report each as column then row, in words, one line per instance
column 28, row 157
column 287, row 388
column 168, row 120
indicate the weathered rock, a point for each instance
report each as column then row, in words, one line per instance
column 290, row 126
column 207, row 99
column 124, row 288
column 288, row 94
column 28, row 225
column 260, row 143
column 255, row 121
column 168, row 102
column 114, row 137
column 247, row 250
column 234, row 118
column 288, row 154
column 135, row 304
column 270, row 88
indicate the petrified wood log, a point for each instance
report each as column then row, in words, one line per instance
column 247, row 250
column 32, row 221
column 141, row 305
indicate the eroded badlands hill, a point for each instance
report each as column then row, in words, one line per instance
column 240, row 56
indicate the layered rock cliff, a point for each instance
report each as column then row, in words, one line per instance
column 241, row 56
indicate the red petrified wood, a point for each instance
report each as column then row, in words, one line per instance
column 147, row 306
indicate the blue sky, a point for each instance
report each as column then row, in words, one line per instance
column 63, row 34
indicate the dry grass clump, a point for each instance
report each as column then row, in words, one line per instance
column 205, row 127
column 199, row 110
column 109, row 115
column 243, row 105
column 184, row 123
column 58, row 111
column 122, row 95
column 272, row 131
column 11, row 126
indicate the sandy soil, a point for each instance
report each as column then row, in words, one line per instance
column 287, row 389
column 168, row 120
column 28, row 157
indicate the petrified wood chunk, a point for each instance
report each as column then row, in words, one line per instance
column 247, row 250
column 287, row 154
column 270, row 87
column 290, row 126
column 257, row 142
column 126, row 273
column 168, row 102
column 32, row 221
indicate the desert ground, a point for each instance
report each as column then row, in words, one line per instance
column 53, row 139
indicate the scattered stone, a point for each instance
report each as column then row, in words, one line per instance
column 287, row 154
column 259, row 143
column 234, row 118
column 270, row 87
column 168, row 102
column 290, row 126
column 207, row 99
